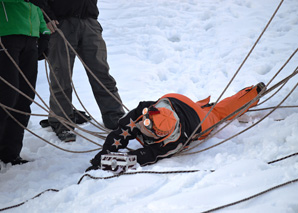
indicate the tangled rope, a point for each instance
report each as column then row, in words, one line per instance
column 234, row 76
column 70, row 125
column 240, row 109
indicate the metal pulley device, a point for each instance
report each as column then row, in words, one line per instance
column 118, row 162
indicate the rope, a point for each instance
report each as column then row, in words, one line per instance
column 86, row 67
column 251, row 197
column 292, row 55
column 99, row 126
column 238, row 70
column 283, row 158
column 141, row 172
column 267, row 108
column 43, row 138
column 84, row 64
column 259, row 96
column 33, row 101
column 164, row 172
column 59, row 105
column 244, row 106
column 168, row 172
column 23, row 75
column 36, row 196
column 240, row 131
column 51, row 114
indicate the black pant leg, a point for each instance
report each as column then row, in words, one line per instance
column 24, row 51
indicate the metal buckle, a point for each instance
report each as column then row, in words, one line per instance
column 118, row 162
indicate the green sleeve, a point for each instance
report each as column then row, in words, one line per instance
column 43, row 26
column 12, row 1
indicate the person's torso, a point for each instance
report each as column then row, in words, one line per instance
column 74, row 8
column 188, row 121
column 19, row 19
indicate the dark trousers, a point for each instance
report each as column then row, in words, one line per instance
column 23, row 49
column 85, row 36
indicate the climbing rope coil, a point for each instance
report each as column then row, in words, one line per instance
column 103, row 131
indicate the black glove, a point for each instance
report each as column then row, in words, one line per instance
column 38, row 3
column 43, row 43
column 96, row 162
column 92, row 168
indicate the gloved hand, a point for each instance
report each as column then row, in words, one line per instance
column 96, row 162
column 43, row 43
column 38, row 3
column 92, row 168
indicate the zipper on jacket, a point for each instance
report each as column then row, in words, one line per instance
column 5, row 11
column 30, row 18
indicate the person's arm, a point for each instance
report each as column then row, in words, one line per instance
column 119, row 138
column 13, row 1
column 38, row 3
column 44, row 36
column 51, row 19
column 152, row 153
column 43, row 29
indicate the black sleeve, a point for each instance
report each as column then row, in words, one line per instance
column 152, row 153
column 119, row 138
column 48, row 10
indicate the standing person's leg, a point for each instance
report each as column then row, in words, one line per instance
column 24, row 51
column 8, row 96
column 94, row 53
column 58, row 60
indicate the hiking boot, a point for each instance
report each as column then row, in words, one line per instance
column 111, row 120
column 260, row 86
column 66, row 136
column 77, row 118
column 17, row 161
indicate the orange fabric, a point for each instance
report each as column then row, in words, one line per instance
column 221, row 110
column 201, row 113
column 231, row 104
column 203, row 102
column 163, row 122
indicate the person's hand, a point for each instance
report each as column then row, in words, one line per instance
column 38, row 3
column 52, row 25
column 96, row 162
column 92, row 168
column 43, row 43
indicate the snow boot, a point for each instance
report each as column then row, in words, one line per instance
column 17, row 161
column 260, row 86
column 77, row 118
column 66, row 136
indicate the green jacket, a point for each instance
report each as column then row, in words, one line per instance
column 18, row 17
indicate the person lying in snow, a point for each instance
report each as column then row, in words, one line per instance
column 164, row 126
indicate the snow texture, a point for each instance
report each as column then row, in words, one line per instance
column 192, row 47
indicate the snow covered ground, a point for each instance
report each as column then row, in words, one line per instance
column 192, row 47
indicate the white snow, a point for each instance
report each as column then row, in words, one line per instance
column 192, row 47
